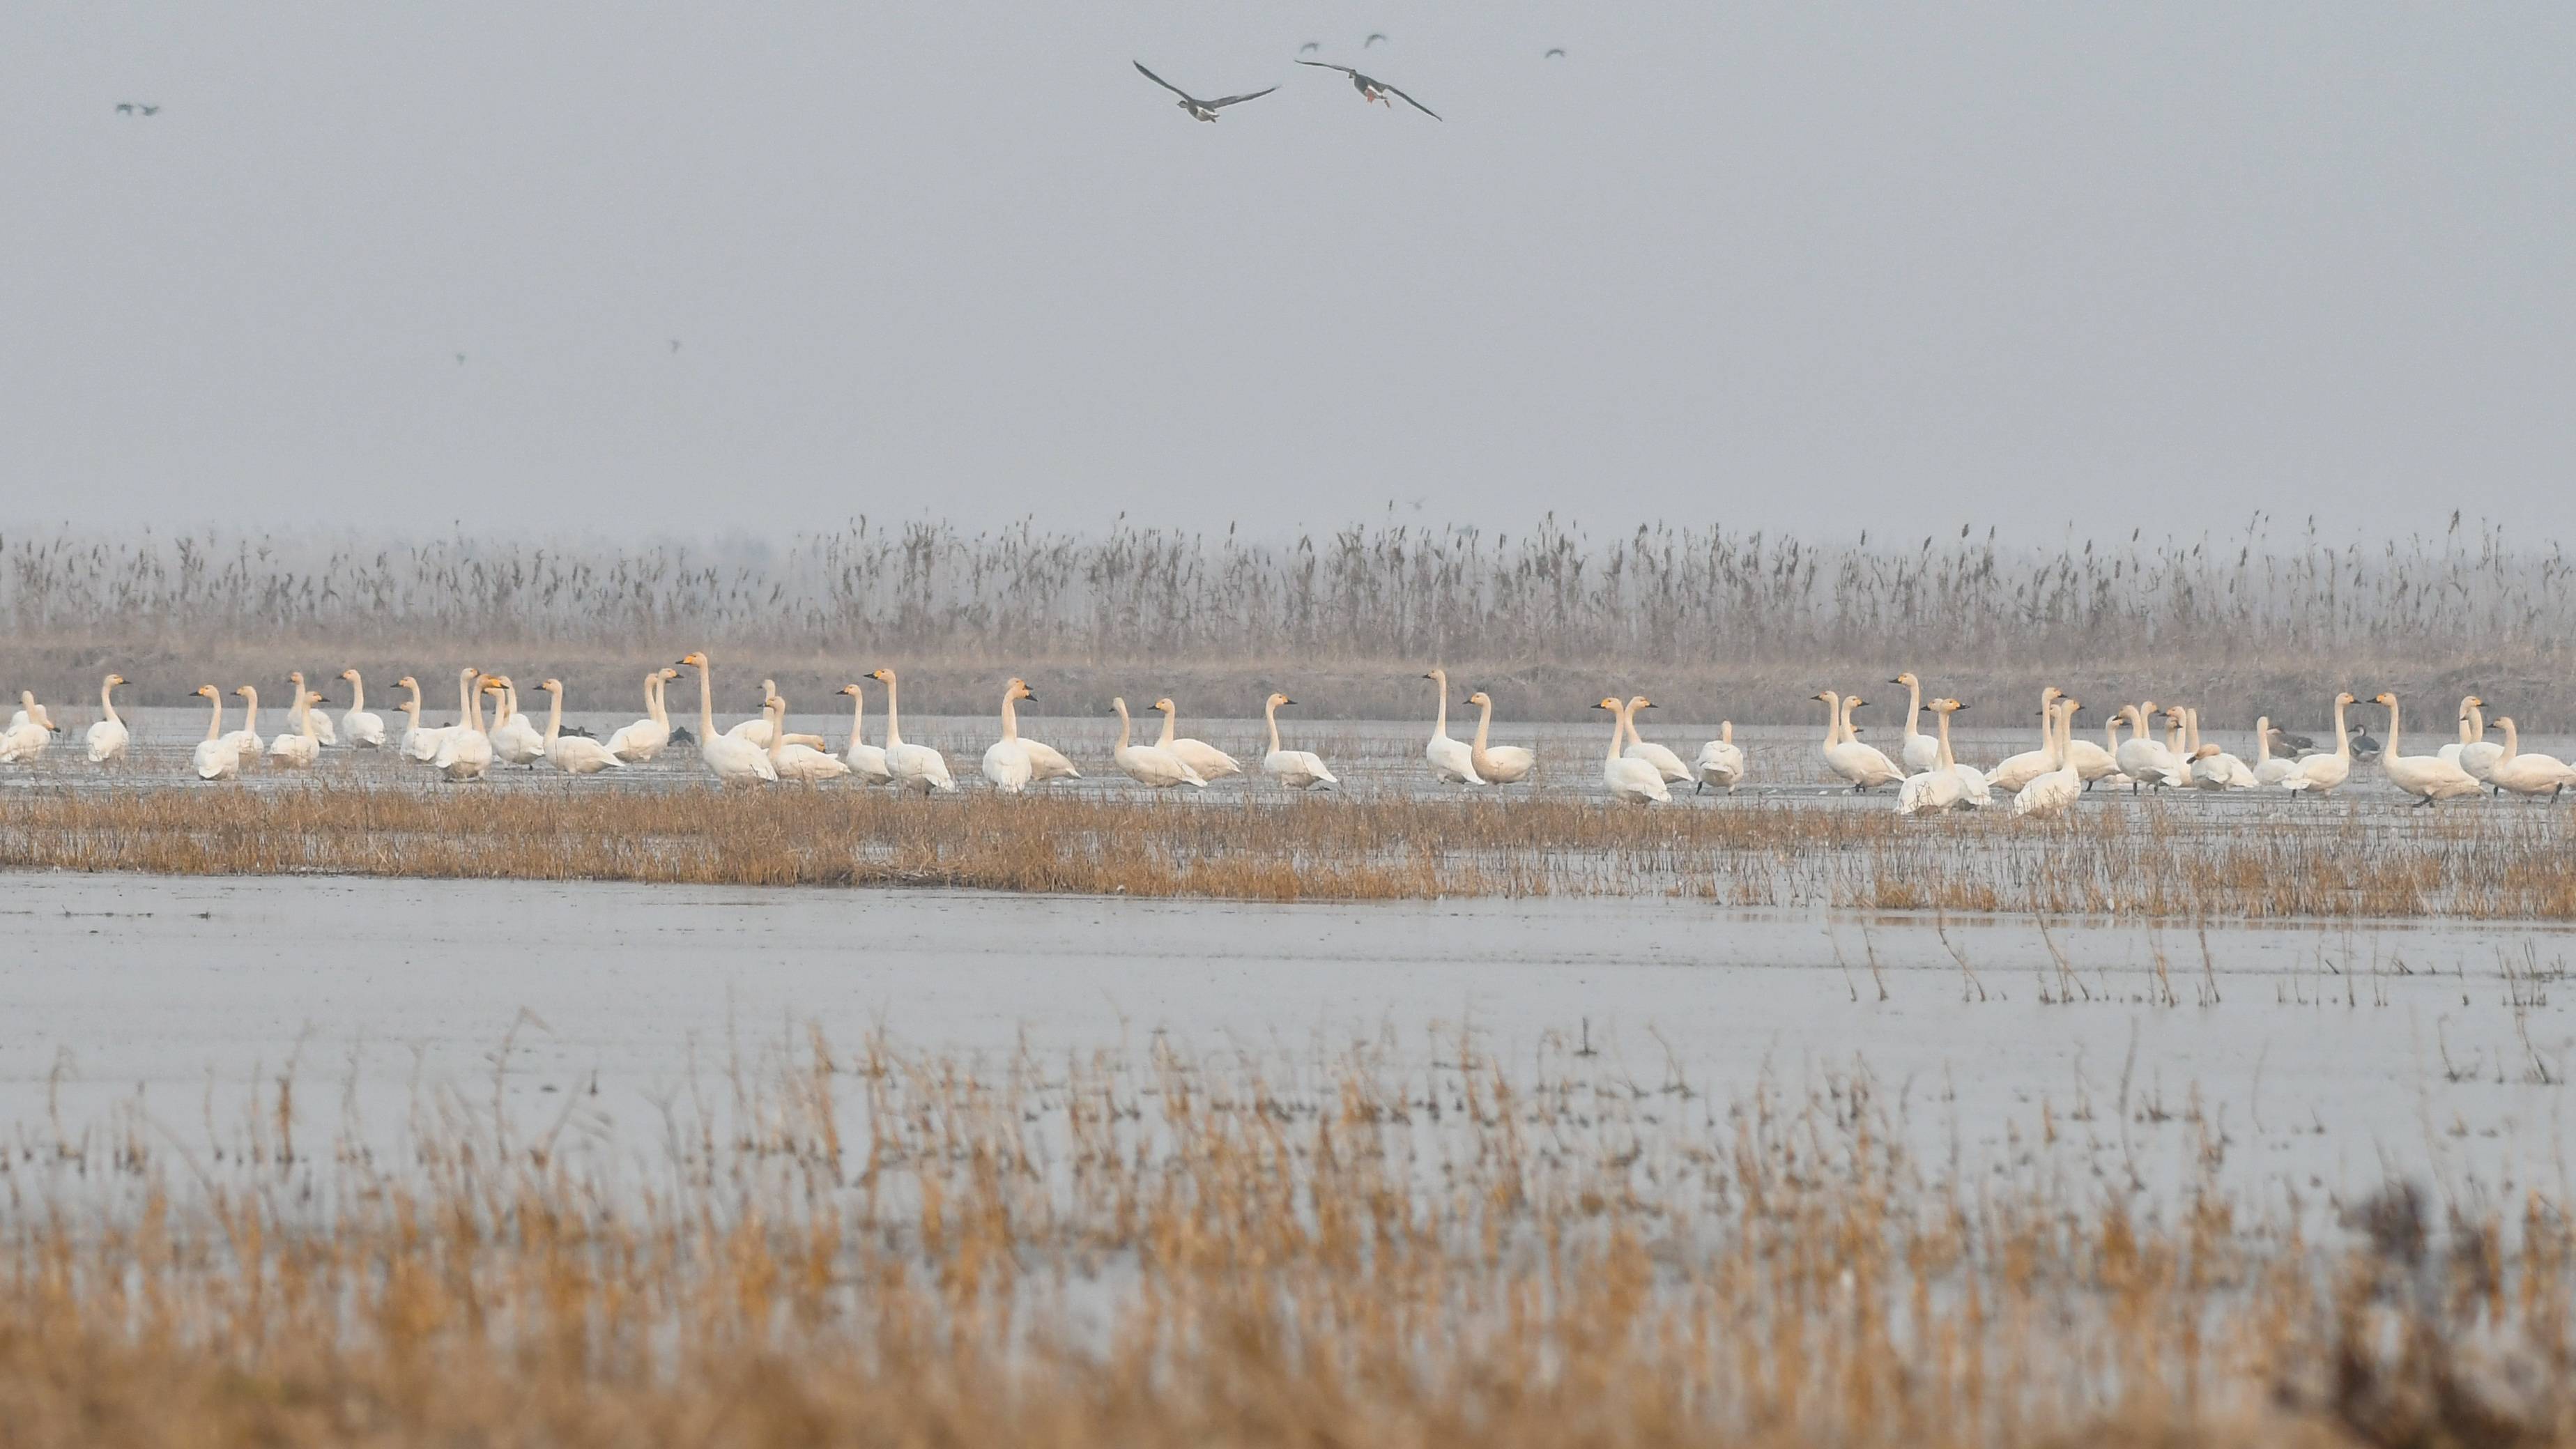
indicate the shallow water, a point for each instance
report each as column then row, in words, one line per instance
column 2319, row 1056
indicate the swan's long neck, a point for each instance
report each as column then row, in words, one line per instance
column 1484, row 723
column 1169, row 715
column 357, row 694
column 107, row 701
column 894, row 717
column 1270, row 712
column 1850, row 735
column 507, row 706
column 2392, row 752
column 215, row 726
column 1440, row 711
column 465, row 694
column 2263, row 740
column 776, row 709
column 1726, row 730
column 1941, row 721
column 1122, row 724
column 1618, row 733
column 2466, row 711
column 2512, row 739
column 1010, row 718
column 304, row 714
column 250, row 709
column 554, row 718
column 858, row 716
column 706, row 704
column 653, row 700
column 2343, row 741
column 2061, row 737
column 1833, row 719
column 474, row 707
column 1913, row 708
column 2477, row 724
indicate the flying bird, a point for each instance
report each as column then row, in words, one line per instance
column 1557, row 53
column 1310, row 47
column 460, row 359
column 1202, row 110
column 675, row 344
column 1374, row 37
column 151, row 110
column 1373, row 89
column 125, row 108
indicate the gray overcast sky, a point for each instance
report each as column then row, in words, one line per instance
column 1808, row 265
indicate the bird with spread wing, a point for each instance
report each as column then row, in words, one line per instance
column 1203, row 110
column 1373, row 89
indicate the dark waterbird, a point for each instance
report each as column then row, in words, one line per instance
column 1203, row 110
column 1371, row 88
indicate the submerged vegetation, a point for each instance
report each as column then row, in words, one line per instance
column 2240, row 625
column 1152, row 1247
column 2139, row 857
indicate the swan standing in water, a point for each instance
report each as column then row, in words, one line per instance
column 365, row 731
column 1975, row 791
column 1936, row 787
column 791, row 759
column 1496, row 764
column 2320, row 774
column 303, row 746
column 1720, row 762
column 2426, row 777
column 1666, row 763
column 866, row 761
column 573, row 754
column 246, row 739
column 1863, row 765
column 2527, row 775
column 1046, row 762
column 1296, row 769
column 1149, row 764
column 2019, row 770
column 1921, row 752
column 108, row 737
column 2053, row 793
column 515, row 741
column 2478, row 754
column 1633, row 781
column 2269, row 769
column 2141, row 757
column 1006, row 760
column 30, row 730
column 639, row 742
column 467, row 754
column 731, row 761
column 1210, row 763
column 1452, row 761
column 418, row 743
column 215, row 758
column 914, row 767
column 757, row 730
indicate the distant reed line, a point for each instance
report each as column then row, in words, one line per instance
column 2137, row 859
column 2256, row 611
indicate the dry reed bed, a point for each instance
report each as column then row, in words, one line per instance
column 1176, row 1250
column 2118, row 857
column 1743, row 625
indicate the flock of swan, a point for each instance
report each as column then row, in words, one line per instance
column 1927, row 775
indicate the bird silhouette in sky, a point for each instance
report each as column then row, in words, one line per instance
column 1374, row 37
column 1203, row 110
column 1373, row 89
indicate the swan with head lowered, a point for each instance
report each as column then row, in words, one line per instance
column 790, row 759
column 467, row 754
column 216, row 757
column 867, row 762
column 639, row 742
column 573, row 754
column 1666, row 763
column 1296, row 769
column 2055, row 791
column 731, row 761
column 366, row 731
column 2320, row 774
column 108, row 737
column 2527, row 775
column 1632, row 781
column 918, row 768
column 1006, row 760
column 1720, row 762
column 1863, row 765
column 1452, row 761
column 1496, row 764
column 1211, row 763
column 1921, row 752
column 1150, row 765
column 2426, row 777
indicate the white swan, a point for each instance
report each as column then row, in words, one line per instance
column 215, row 758
column 515, row 740
column 2479, row 754
column 790, row 758
column 1921, row 752
column 2224, row 769
column 1938, row 786
column 1720, row 762
column 2319, row 774
column 1006, row 760
column 731, row 761
column 2019, row 770
column 299, row 749
column 30, row 716
column 914, row 767
column 1975, row 791
column 1666, row 763
column 1496, row 764
column 365, row 731
column 2468, row 707
column 1046, row 762
column 1633, row 781
column 866, row 761
column 639, row 742
column 2269, row 769
column 1452, row 761
column 2427, row 777
column 573, row 754
column 467, row 754
column 1211, row 763
column 1863, row 765
column 1296, row 769
column 1149, row 764
column 246, row 739
column 2141, row 757
column 2051, row 794
column 757, row 729
column 2529, row 775
column 418, row 743
column 108, row 737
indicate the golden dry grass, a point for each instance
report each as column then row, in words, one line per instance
column 1172, row 1250
column 2120, row 857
